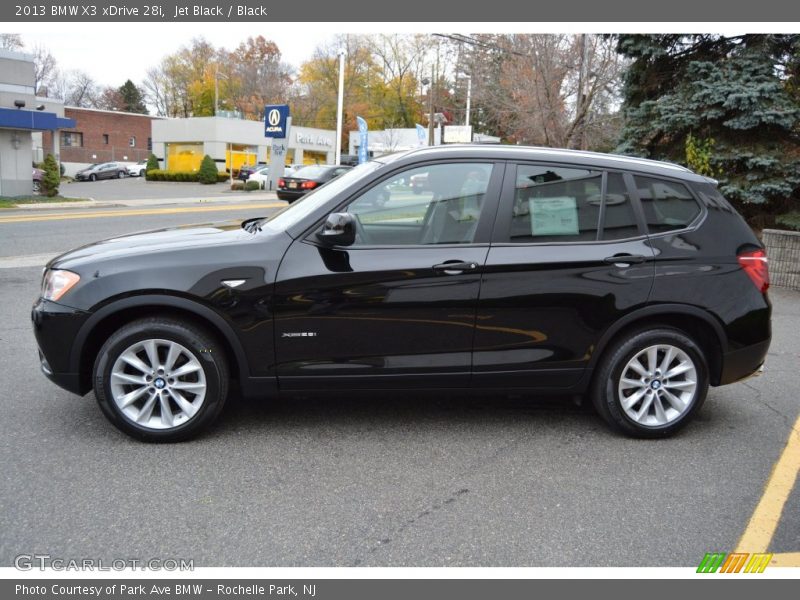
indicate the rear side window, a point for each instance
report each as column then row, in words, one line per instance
column 554, row 204
column 667, row 205
column 619, row 221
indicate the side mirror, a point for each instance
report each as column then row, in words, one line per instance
column 339, row 230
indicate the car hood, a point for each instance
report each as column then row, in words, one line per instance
column 186, row 237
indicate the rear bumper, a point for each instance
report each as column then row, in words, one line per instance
column 290, row 195
column 743, row 363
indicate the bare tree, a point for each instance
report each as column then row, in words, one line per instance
column 82, row 90
column 551, row 90
column 11, row 41
column 44, row 70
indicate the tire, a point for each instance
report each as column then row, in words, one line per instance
column 141, row 173
column 92, row 177
column 121, row 175
column 36, row 187
column 180, row 407
column 620, row 403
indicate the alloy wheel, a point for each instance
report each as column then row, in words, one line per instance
column 158, row 384
column 657, row 385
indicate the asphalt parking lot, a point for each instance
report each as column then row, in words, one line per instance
column 389, row 480
column 137, row 188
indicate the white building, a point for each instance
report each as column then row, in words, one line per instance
column 181, row 143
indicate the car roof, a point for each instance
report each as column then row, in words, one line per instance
column 558, row 155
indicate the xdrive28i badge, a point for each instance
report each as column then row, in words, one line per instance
column 297, row 334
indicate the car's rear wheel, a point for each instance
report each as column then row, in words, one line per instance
column 161, row 380
column 36, row 187
column 121, row 174
column 651, row 383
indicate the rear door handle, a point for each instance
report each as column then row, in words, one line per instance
column 625, row 259
column 454, row 267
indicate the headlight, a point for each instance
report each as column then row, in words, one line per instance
column 56, row 283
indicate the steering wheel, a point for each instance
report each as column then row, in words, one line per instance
column 361, row 233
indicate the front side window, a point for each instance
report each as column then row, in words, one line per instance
column 555, row 204
column 667, row 205
column 434, row 204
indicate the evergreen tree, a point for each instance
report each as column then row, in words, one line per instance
column 152, row 165
column 51, row 178
column 730, row 98
column 132, row 98
column 208, row 171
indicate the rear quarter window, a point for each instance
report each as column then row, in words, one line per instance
column 667, row 205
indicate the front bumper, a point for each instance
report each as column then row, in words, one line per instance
column 56, row 327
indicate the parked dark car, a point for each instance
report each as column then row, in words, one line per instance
column 631, row 282
column 306, row 179
column 246, row 170
column 108, row 170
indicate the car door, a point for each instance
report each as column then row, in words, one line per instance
column 569, row 255
column 397, row 308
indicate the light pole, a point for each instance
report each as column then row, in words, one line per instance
column 339, row 107
column 469, row 96
column 216, row 89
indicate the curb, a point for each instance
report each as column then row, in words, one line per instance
column 145, row 202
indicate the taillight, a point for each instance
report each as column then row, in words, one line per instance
column 308, row 185
column 756, row 266
column 281, row 182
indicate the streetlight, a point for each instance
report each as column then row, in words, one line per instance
column 339, row 107
column 216, row 89
column 469, row 95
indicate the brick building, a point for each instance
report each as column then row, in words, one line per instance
column 102, row 136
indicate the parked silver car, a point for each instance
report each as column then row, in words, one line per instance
column 109, row 170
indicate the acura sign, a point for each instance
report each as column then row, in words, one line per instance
column 275, row 116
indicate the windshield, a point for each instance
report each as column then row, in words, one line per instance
column 300, row 209
column 311, row 172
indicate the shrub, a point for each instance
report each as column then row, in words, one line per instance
column 250, row 186
column 51, row 178
column 223, row 177
column 180, row 176
column 208, row 171
column 790, row 220
column 237, row 185
column 152, row 165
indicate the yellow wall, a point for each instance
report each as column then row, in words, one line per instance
column 184, row 157
column 240, row 157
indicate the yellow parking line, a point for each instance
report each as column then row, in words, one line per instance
column 761, row 528
column 786, row 559
column 98, row 214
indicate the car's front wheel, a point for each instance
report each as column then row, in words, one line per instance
column 651, row 383
column 160, row 379
column 92, row 177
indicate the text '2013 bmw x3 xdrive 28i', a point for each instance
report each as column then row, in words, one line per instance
column 631, row 281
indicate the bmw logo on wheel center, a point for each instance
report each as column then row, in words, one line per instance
column 275, row 116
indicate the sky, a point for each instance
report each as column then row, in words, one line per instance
column 113, row 52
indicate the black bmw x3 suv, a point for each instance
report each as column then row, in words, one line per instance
column 628, row 281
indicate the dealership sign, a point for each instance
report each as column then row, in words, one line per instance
column 275, row 116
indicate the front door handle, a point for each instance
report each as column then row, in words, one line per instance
column 625, row 259
column 454, row 267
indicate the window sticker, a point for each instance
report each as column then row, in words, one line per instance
column 554, row 216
